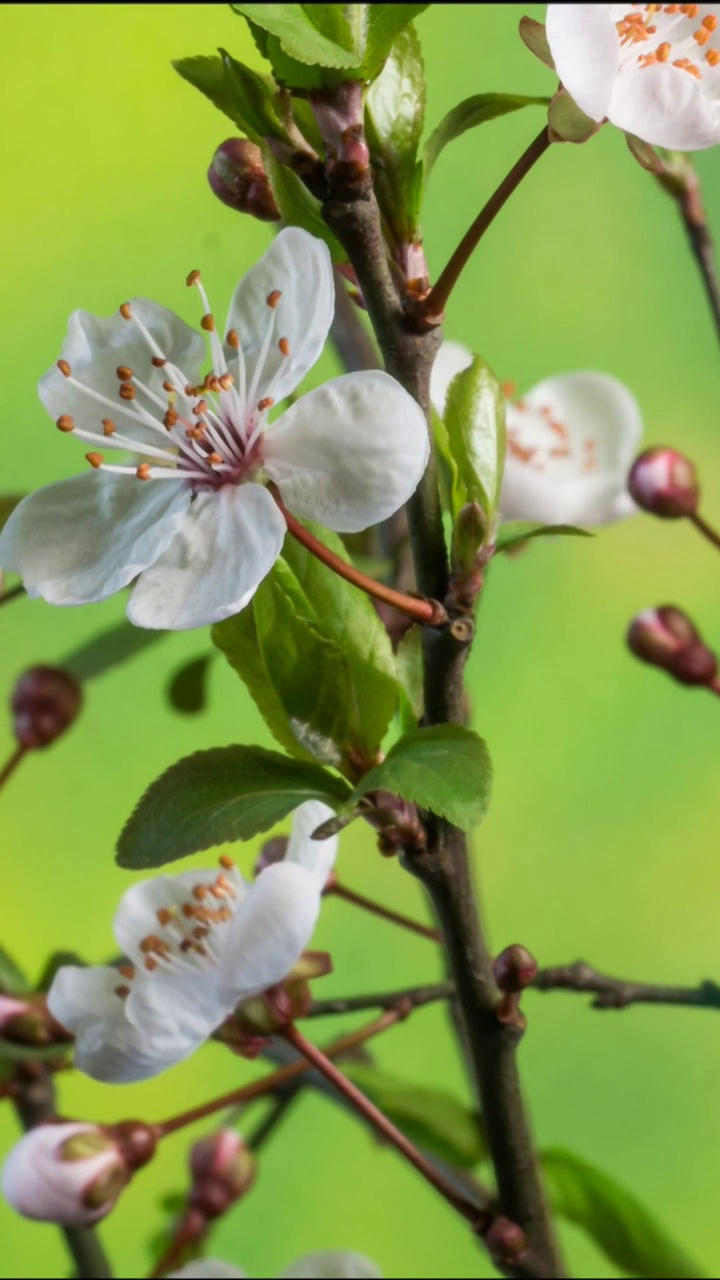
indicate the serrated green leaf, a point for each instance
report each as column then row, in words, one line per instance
column 475, row 424
column 241, row 94
column 298, row 206
column 468, row 115
column 297, row 35
column 430, row 1118
column 217, row 796
column 445, row 769
column 515, row 531
column 8, row 503
column 187, row 690
column 109, row 649
column 385, row 22
column 626, row 1232
column 12, row 978
column 394, row 116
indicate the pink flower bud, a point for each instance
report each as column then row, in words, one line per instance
column 665, row 483
column 223, row 1169
column 44, row 703
column 515, row 969
column 71, row 1174
column 665, row 637
column 29, row 1022
column 238, row 178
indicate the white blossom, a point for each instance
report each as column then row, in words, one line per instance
column 652, row 70
column 66, row 1173
column 190, row 514
column 323, row 1265
column 570, row 443
column 197, row 943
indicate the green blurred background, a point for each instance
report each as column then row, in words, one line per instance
column 602, row 837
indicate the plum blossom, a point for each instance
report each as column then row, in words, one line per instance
column 323, row 1265
column 570, row 442
column 652, row 70
column 66, row 1173
column 188, row 512
column 197, row 943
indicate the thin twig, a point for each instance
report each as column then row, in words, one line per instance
column 265, row 1129
column 11, row 765
column 338, row 890
column 679, row 179
column 619, row 993
column 415, row 997
column 706, row 529
column 12, row 594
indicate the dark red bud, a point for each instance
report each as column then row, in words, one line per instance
column 506, row 1242
column 664, row 482
column 515, row 968
column 666, row 638
column 272, row 851
column 238, row 178
column 136, row 1140
column 695, row 665
column 44, row 703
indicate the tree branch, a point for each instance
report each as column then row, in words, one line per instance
column 444, row 868
column 618, row 993
column 416, row 997
column 34, row 1099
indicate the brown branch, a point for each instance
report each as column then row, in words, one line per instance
column 34, row 1099
column 618, row 993
column 679, row 179
column 415, row 997
column 336, row 890
column 444, row 867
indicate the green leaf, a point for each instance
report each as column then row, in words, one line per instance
column 109, row 649
column 533, row 36
column 187, row 690
column 468, row 115
column 298, row 206
column 409, row 665
column 237, row 91
column 216, row 796
column 630, row 1236
column 385, row 22
column 515, row 531
column 298, row 37
column 475, row 424
column 645, row 155
column 567, row 122
column 12, row 978
column 430, row 1118
column 394, row 115
column 445, row 769
column 8, row 503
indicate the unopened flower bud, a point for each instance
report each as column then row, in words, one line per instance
column 237, row 176
column 223, row 1169
column 29, row 1022
column 664, row 482
column 515, row 969
column 44, row 703
column 666, row 638
column 71, row 1174
column 506, row 1242
column 272, row 851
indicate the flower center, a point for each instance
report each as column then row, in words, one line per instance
column 684, row 35
column 538, row 439
column 188, row 936
column 207, row 435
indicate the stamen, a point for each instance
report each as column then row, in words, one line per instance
column 109, row 427
column 713, row 57
column 65, row 422
column 126, row 311
column 273, row 298
column 170, row 419
column 227, row 862
column 266, row 403
column 231, row 339
column 208, row 323
column 192, row 278
column 143, row 471
column 127, row 391
column 96, row 460
column 124, row 373
column 662, row 53
column 284, row 346
column 127, row 970
column 64, row 368
column 158, row 361
column 122, row 992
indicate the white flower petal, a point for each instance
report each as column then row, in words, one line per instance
column 228, row 542
column 350, row 453
column 83, row 539
column 298, row 265
column 666, row 107
column 95, row 346
column 593, row 406
column 330, row 1264
column 208, row 1269
column 108, row 1047
column 39, row 1184
column 586, row 49
column 451, row 359
column 137, row 915
column 270, row 931
column 316, row 856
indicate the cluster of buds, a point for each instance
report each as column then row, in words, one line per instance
column 665, row 483
column 255, row 1020
column 73, row 1173
column 398, row 825
column 666, row 638
column 514, row 969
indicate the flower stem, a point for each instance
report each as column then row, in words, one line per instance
column 433, row 305
column 385, row 913
column 706, row 530
column 384, row 1128
column 12, row 594
column 12, row 764
column 278, row 1079
column 415, row 997
column 429, row 612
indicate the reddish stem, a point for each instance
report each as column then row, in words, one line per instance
column 383, row 1127
column 429, row 612
column 173, row 1255
column 271, row 1083
column 12, row 764
column 706, row 530
column 385, row 913
column 434, row 304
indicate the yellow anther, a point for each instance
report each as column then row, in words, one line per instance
column 64, row 368
column 124, row 373
column 126, row 311
column 273, row 298
column 65, row 422
column 108, row 427
column 95, row 459
column 192, row 278
column 127, row 391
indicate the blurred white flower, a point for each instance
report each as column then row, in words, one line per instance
column 190, row 512
column 324, row 1265
column 66, row 1173
column 570, row 443
column 198, row 943
column 651, row 69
